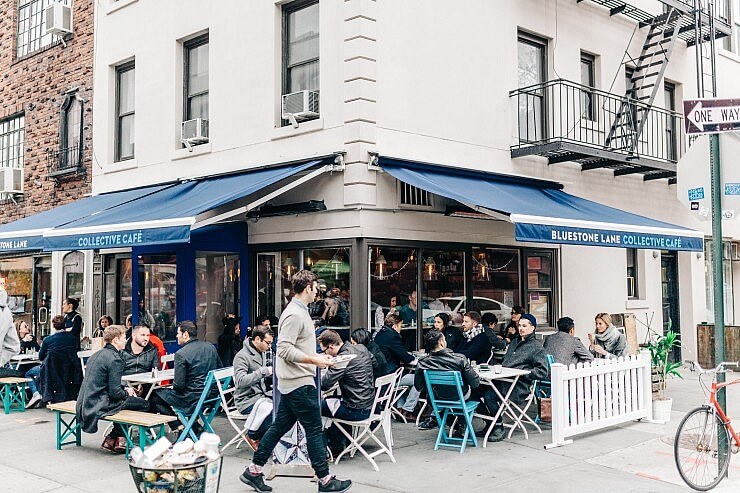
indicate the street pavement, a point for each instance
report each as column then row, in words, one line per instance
column 634, row 457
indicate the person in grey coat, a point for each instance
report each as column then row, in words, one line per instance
column 10, row 344
column 193, row 361
column 102, row 394
column 253, row 377
column 565, row 347
column 607, row 342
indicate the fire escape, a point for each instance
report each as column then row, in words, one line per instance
column 569, row 122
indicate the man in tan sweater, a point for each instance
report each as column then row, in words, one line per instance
column 295, row 368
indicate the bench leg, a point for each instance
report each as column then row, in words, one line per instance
column 14, row 397
column 127, row 434
column 65, row 429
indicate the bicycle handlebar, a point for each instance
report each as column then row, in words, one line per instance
column 720, row 368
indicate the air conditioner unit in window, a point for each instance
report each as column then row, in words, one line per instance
column 736, row 252
column 58, row 19
column 11, row 181
column 193, row 132
column 300, row 106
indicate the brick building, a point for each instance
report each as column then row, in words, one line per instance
column 45, row 131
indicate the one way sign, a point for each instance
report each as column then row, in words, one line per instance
column 707, row 116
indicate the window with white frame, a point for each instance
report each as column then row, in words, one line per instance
column 125, row 111
column 301, row 57
column 31, row 26
column 196, row 78
column 632, row 273
column 735, row 16
column 11, row 142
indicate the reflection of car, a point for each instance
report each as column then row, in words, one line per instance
column 455, row 306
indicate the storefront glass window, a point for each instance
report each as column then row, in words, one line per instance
column 158, row 294
column 43, row 296
column 216, row 292
column 274, row 270
column 539, row 282
column 332, row 265
column 393, row 280
column 16, row 276
column 496, row 281
column 443, row 282
column 118, row 288
column 73, row 275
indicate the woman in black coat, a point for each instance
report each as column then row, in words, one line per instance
column 72, row 319
column 230, row 341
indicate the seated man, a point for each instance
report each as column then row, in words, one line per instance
column 362, row 336
column 564, row 346
column 61, row 341
column 526, row 353
column 355, row 383
column 10, row 344
column 193, row 361
column 102, row 394
column 139, row 354
column 475, row 344
column 60, row 374
column 442, row 358
column 390, row 343
column 253, row 377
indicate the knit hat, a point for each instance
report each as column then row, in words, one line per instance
column 531, row 319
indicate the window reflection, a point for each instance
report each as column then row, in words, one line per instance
column 216, row 292
column 158, row 294
column 496, row 283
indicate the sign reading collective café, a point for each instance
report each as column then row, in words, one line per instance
column 605, row 238
column 116, row 239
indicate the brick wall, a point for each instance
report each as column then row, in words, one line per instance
column 35, row 85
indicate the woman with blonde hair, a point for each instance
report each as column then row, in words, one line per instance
column 607, row 342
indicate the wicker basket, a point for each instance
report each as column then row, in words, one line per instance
column 200, row 477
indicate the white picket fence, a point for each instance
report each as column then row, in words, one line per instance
column 592, row 396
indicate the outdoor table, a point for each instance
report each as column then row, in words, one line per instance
column 510, row 376
column 146, row 377
column 541, row 334
column 22, row 359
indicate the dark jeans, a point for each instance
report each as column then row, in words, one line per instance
column 301, row 405
column 131, row 404
column 492, row 401
column 336, row 439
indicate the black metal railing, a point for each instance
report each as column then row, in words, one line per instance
column 64, row 161
column 564, row 111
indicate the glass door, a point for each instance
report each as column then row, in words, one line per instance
column 42, row 296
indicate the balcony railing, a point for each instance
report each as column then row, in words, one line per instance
column 566, row 121
column 64, row 161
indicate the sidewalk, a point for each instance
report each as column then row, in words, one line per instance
column 635, row 457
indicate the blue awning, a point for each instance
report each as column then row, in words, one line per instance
column 27, row 234
column 542, row 212
column 168, row 215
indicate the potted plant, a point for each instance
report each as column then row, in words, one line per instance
column 660, row 349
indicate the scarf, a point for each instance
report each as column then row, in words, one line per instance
column 470, row 334
column 608, row 337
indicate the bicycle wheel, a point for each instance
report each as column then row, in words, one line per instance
column 696, row 449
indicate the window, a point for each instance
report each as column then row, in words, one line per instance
column 196, row 78
column 632, row 273
column 31, row 26
column 125, row 111
column 539, row 284
column 414, row 196
column 12, row 135
column 393, row 283
column 588, row 80
column 532, row 73
column 670, row 129
column 117, row 285
column 70, row 133
column 301, row 47
column 216, row 292
column 73, row 273
column 496, row 281
column 157, row 295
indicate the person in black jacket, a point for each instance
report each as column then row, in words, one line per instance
column 60, row 373
column 72, row 319
column 489, row 322
column 102, row 394
column 193, row 361
column 526, row 353
column 230, row 341
column 355, row 382
column 362, row 337
column 389, row 341
column 475, row 344
column 440, row 357
column 452, row 334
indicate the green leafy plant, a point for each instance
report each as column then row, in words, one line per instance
column 660, row 348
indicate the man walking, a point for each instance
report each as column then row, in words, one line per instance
column 295, row 367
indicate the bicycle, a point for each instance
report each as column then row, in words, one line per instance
column 702, row 430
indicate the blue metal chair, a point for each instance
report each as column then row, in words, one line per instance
column 207, row 406
column 445, row 407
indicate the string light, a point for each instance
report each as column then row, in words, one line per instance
column 288, row 264
column 380, row 266
column 429, row 265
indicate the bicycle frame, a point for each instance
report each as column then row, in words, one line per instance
column 713, row 401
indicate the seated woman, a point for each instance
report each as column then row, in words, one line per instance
column 103, row 322
column 512, row 328
column 453, row 335
column 607, row 342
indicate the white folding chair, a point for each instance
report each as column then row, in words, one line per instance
column 398, row 392
column 84, row 355
column 521, row 418
column 234, row 417
column 359, row 432
column 166, row 359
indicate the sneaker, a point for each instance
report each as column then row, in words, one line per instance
column 497, row 435
column 256, row 481
column 429, row 424
column 253, row 443
column 335, row 485
column 35, row 400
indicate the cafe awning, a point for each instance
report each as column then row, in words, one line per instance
column 170, row 214
column 27, row 234
column 541, row 211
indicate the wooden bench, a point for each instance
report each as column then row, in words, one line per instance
column 13, row 391
column 67, row 427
